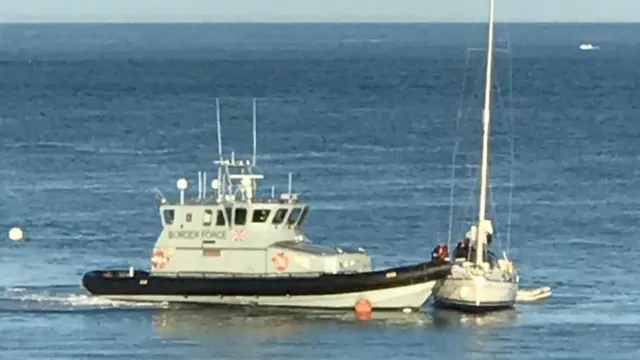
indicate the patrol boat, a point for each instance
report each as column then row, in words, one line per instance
column 235, row 247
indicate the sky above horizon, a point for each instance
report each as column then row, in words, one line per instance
column 318, row 10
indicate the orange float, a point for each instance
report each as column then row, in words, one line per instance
column 363, row 307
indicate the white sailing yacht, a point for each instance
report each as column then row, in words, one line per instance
column 478, row 283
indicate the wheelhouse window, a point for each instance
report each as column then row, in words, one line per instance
column 208, row 218
column 188, row 217
column 279, row 216
column 303, row 216
column 260, row 215
column 220, row 219
column 168, row 216
column 294, row 216
column 240, row 217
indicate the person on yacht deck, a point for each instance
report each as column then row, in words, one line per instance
column 440, row 251
column 466, row 247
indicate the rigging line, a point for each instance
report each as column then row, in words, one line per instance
column 494, row 207
column 511, row 136
column 499, row 98
column 476, row 159
column 471, row 210
column 467, row 207
column 466, row 110
column 455, row 149
column 511, row 147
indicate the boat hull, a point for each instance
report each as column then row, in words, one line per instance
column 396, row 288
column 471, row 306
column 476, row 295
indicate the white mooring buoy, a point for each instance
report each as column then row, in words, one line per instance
column 16, row 234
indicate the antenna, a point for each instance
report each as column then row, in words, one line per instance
column 273, row 191
column 199, row 185
column 290, row 183
column 204, row 185
column 159, row 195
column 255, row 133
column 219, row 128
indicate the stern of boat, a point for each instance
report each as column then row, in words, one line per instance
column 468, row 291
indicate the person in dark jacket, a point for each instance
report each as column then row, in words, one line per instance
column 462, row 249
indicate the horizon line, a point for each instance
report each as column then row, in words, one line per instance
column 312, row 22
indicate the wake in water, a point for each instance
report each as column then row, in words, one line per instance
column 59, row 298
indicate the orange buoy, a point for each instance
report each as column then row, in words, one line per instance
column 363, row 307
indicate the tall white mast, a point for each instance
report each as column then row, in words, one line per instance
column 486, row 118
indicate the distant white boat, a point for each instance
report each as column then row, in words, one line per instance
column 589, row 47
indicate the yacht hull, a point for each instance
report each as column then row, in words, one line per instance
column 475, row 295
column 390, row 289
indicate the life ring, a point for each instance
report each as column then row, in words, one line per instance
column 159, row 259
column 280, row 261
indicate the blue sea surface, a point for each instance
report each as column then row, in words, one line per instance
column 94, row 117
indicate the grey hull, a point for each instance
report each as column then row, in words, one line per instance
column 410, row 296
column 475, row 294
